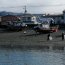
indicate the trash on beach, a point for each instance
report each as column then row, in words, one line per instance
column 50, row 38
column 64, row 36
column 25, row 32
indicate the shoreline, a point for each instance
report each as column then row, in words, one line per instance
column 31, row 40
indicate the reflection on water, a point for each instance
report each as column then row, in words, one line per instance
column 31, row 57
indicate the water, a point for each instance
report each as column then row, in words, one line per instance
column 31, row 57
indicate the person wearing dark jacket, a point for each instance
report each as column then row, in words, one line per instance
column 48, row 36
column 62, row 35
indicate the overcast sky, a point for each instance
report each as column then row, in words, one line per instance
column 33, row 6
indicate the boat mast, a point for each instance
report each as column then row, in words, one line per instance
column 25, row 10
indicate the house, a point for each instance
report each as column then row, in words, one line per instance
column 9, row 19
column 29, row 19
column 45, row 19
column 58, row 19
column 0, row 18
column 64, row 16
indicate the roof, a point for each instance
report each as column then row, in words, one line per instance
column 60, row 15
column 10, row 18
column 27, row 15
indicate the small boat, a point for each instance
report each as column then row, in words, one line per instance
column 45, row 28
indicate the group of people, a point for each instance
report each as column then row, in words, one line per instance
column 49, row 37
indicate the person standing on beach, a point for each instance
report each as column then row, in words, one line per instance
column 62, row 35
column 48, row 36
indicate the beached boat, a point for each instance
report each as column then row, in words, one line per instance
column 45, row 28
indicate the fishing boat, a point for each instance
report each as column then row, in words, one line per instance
column 45, row 28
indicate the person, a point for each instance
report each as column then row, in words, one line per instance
column 48, row 36
column 62, row 35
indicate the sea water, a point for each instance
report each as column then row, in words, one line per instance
column 31, row 57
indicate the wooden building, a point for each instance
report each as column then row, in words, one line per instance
column 9, row 19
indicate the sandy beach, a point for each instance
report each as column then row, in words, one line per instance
column 31, row 38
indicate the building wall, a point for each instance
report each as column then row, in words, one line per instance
column 0, row 19
column 57, row 18
column 5, row 20
column 9, row 18
column 64, row 16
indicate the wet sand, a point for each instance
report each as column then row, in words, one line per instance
column 30, row 39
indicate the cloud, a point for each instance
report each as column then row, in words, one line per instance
column 45, row 2
column 48, row 6
column 12, row 2
column 33, row 6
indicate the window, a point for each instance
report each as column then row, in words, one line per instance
column 29, row 18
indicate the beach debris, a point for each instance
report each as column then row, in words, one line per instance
column 25, row 32
column 49, row 37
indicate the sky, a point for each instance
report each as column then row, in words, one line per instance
column 33, row 6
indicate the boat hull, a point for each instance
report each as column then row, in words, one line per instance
column 44, row 30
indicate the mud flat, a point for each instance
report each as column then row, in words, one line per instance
column 31, row 40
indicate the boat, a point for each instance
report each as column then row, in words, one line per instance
column 45, row 28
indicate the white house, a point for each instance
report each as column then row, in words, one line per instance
column 29, row 19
